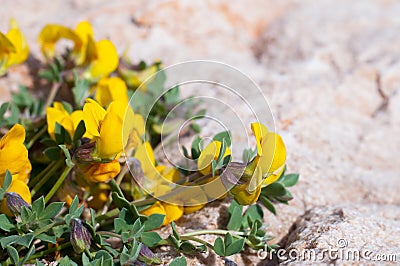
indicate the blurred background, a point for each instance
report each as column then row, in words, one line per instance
column 329, row 69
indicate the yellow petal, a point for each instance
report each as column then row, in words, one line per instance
column 21, row 47
column 243, row 197
column 273, row 153
column 259, row 131
column 210, row 152
column 93, row 114
column 109, row 145
column 107, row 60
column 273, row 177
column 156, row 208
column 173, row 212
column 14, row 155
column 111, row 89
column 19, row 187
column 144, row 153
column 100, row 172
column 52, row 33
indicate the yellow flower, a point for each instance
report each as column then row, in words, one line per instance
column 99, row 172
column 111, row 89
column 210, row 152
column 14, row 158
column 242, row 196
column 271, row 150
column 101, row 57
column 172, row 212
column 52, row 33
column 14, row 48
column 19, row 187
column 58, row 114
column 135, row 78
column 265, row 168
column 105, row 127
column 14, row 155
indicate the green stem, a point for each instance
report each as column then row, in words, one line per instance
column 52, row 95
column 58, row 183
column 22, row 262
column 46, row 177
column 38, row 177
column 48, row 227
column 108, row 234
column 48, row 251
column 214, row 232
column 36, row 137
column 114, row 187
column 192, row 238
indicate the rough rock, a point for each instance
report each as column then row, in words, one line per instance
column 344, row 234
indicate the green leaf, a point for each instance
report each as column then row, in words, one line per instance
column 219, row 247
column 195, row 150
column 7, row 180
column 14, row 117
column 47, row 238
column 13, row 254
column 228, row 239
column 5, row 223
column 235, row 247
column 25, row 240
column 179, row 261
column 80, row 131
column 156, row 85
column 268, row 204
column 123, row 203
column 52, row 210
column 53, row 153
column 235, row 219
column 67, row 106
column 150, row 239
column 253, row 213
column 274, row 189
column 8, row 240
column 22, row 98
column 154, row 221
column 174, row 231
column 80, row 89
column 290, row 180
column 225, row 135
column 3, row 109
column 38, row 205
column 59, row 133
column 172, row 95
column 196, row 127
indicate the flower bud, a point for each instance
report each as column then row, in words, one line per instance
column 83, row 153
column 80, row 236
column 147, row 256
column 15, row 202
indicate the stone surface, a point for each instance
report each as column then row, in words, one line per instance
column 329, row 69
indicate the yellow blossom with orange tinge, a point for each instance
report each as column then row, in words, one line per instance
column 14, row 158
column 14, row 48
column 100, row 58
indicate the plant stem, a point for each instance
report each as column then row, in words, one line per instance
column 198, row 240
column 36, row 137
column 214, row 232
column 115, row 187
column 48, row 227
column 52, row 95
column 108, row 234
column 45, row 252
column 39, row 176
column 58, row 184
column 46, row 176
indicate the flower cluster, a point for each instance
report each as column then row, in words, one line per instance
column 91, row 148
